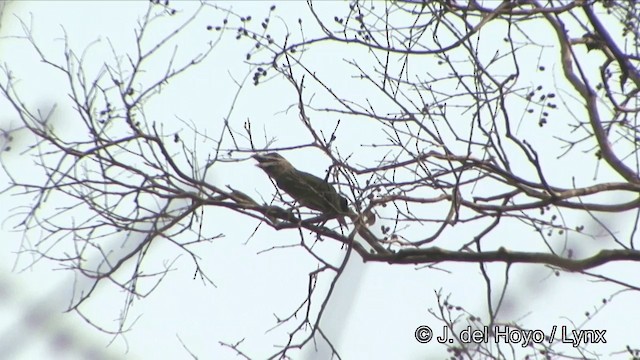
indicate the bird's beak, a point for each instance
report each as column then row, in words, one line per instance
column 260, row 159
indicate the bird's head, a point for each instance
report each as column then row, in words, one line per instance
column 272, row 163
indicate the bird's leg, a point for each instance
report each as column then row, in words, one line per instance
column 324, row 218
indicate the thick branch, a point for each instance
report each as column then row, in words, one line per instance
column 434, row 255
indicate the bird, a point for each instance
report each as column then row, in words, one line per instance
column 307, row 189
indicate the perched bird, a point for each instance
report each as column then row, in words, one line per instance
column 307, row 189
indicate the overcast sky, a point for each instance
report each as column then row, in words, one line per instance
column 377, row 307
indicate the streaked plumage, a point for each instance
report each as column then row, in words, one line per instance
column 309, row 190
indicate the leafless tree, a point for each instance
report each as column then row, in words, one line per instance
column 452, row 127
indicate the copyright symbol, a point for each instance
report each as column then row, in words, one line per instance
column 423, row 334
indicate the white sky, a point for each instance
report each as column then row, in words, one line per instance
column 377, row 306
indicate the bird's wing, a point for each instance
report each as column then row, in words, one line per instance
column 311, row 191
